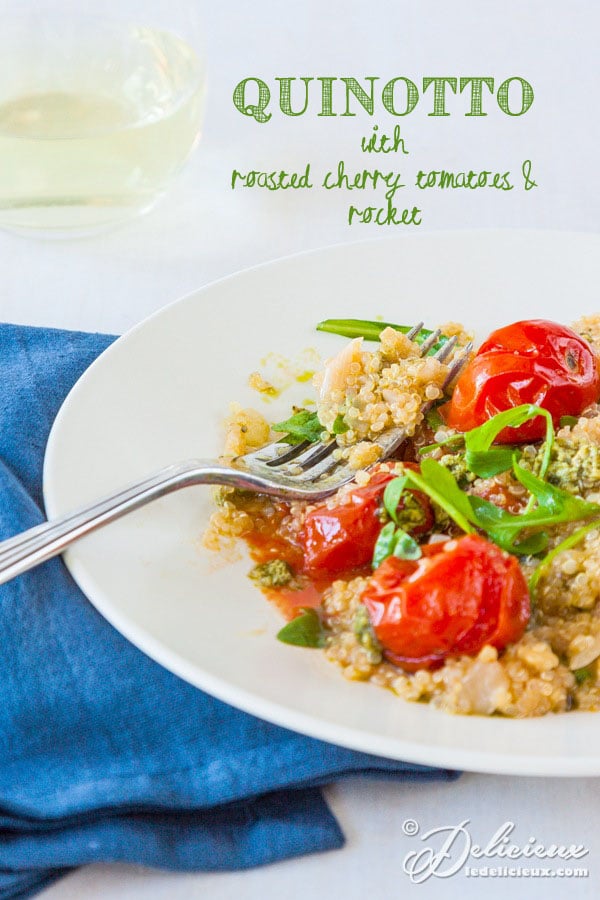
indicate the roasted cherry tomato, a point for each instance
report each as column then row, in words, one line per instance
column 533, row 361
column 339, row 538
column 461, row 595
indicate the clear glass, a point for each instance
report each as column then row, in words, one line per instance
column 100, row 106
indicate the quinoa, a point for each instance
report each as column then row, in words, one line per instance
column 456, row 329
column 527, row 680
column 555, row 666
column 588, row 327
column 572, row 581
column 374, row 391
column 363, row 455
column 245, row 429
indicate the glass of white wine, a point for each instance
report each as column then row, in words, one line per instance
column 101, row 103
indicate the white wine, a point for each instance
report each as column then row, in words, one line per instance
column 93, row 144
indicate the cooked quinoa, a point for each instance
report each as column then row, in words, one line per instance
column 245, row 429
column 527, row 680
column 375, row 390
column 589, row 328
column 555, row 665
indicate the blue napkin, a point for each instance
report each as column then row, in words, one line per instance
column 104, row 755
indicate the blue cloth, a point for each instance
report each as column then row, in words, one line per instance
column 104, row 755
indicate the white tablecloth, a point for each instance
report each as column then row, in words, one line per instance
column 204, row 230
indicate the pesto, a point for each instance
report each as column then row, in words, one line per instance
column 274, row 574
column 574, row 464
column 363, row 631
column 457, row 466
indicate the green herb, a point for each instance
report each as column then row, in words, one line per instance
column 451, row 439
column 456, row 465
column 487, row 461
column 584, row 674
column 406, row 547
column 530, row 546
column 303, row 426
column 391, row 496
column 568, row 542
column 568, row 421
column 339, row 426
column 441, row 486
column 504, row 528
column 394, row 541
column 433, row 417
column 371, row 331
column 306, row 630
column 384, row 545
column 552, row 507
column 553, row 504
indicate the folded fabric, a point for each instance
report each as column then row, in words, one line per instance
column 104, row 755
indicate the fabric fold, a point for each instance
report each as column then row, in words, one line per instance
column 104, row 755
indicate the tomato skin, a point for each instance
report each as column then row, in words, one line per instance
column 462, row 595
column 533, row 361
column 341, row 538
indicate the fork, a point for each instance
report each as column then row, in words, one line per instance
column 308, row 471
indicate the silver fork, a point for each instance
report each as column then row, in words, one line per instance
column 307, row 471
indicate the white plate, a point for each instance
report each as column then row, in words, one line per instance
column 159, row 394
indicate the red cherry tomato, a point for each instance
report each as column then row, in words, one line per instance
column 533, row 361
column 339, row 538
column 463, row 594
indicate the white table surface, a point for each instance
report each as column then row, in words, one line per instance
column 203, row 230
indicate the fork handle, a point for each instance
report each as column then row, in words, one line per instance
column 42, row 542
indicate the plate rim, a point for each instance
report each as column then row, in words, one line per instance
column 477, row 760
column 279, row 260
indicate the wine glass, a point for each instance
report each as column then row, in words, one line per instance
column 100, row 105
